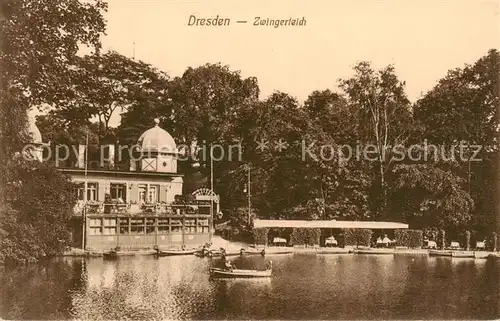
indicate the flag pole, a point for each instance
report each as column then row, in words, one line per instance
column 212, row 227
column 84, row 218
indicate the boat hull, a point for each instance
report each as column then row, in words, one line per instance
column 464, row 254
column 440, row 253
column 173, row 253
column 218, row 254
column 110, row 256
column 245, row 252
column 481, row 255
column 376, row 251
column 222, row 273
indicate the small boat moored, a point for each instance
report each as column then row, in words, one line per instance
column 250, row 251
column 111, row 255
column 440, row 253
column 374, row 251
column 175, row 252
column 463, row 254
column 481, row 254
column 215, row 253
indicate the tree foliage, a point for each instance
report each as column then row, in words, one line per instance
column 426, row 195
column 41, row 40
column 383, row 111
column 35, row 216
column 213, row 104
column 462, row 108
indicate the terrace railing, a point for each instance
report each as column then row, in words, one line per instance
column 160, row 208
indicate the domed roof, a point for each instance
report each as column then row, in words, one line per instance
column 33, row 131
column 157, row 139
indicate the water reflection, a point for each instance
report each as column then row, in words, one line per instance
column 302, row 286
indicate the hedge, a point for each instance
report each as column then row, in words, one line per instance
column 305, row 236
column 260, row 236
column 467, row 240
column 442, row 239
column 357, row 237
column 409, row 238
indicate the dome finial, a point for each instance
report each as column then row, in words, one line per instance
column 157, row 121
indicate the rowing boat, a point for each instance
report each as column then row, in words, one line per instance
column 375, row 251
column 440, row 253
column 236, row 273
column 464, row 254
column 110, row 255
column 252, row 252
column 212, row 253
column 176, row 252
column 481, row 254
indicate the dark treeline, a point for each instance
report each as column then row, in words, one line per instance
column 303, row 180
column 215, row 104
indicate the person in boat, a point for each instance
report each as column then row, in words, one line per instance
column 269, row 265
column 183, row 247
column 379, row 241
column 228, row 265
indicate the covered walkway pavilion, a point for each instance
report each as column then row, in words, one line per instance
column 373, row 225
column 327, row 227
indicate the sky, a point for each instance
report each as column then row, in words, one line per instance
column 423, row 39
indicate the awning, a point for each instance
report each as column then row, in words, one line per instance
column 328, row 224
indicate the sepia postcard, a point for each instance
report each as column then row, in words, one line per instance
column 249, row 160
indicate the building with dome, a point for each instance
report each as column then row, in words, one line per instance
column 136, row 203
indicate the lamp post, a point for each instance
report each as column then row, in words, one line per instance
column 3, row 20
column 84, row 214
column 212, row 225
column 249, row 195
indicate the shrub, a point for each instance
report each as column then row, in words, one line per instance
column 467, row 240
column 37, row 205
column 314, row 236
column 260, row 236
column 305, row 236
column 431, row 233
column 409, row 238
column 442, row 239
column 357, row 237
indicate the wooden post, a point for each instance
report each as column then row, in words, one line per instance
column 249, row 201
column 467, row 240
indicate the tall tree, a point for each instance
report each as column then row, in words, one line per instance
column 206, row 102
column 426, row 195
column 333, row 115
column 102, row 84
column 383, row 110
column 35, row 216
column 41, row 39
column 462, row 108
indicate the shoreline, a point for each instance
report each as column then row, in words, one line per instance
column 272, row 250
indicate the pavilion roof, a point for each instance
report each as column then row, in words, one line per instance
column 328, row 224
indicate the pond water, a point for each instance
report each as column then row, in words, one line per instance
column 302, row 286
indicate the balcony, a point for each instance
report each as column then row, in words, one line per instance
column 160, row 208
